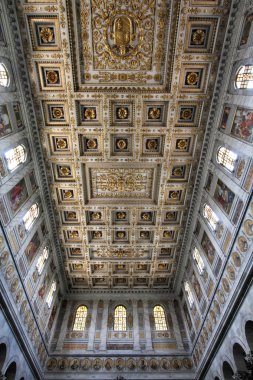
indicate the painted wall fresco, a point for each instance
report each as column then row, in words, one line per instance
column 208, row 248
column 223, row 196
column 5, row 123
column 32, row 247
column 18, row 195
column 243, row 124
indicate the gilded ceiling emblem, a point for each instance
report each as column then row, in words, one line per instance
column 96, row 216
column 64, row 171
column 198, row 37
column 57, row 113
column 192, row 79
column 186, row 114
column 73, row 234
column 122, row 35
column 146, row 216
column 52, row 76
column 76, row 251
column 168, row 234
column 182, row 144
column 121, row 144
column 122, row 113
column 90, row 114
column 170, row 215
column 121, row 215
column 144, row 234
column 61, row 143
column 152, row 144
column 71, row 215
column 91, row 144
column 68, row 194
column 47, row 35
column 120, row 234
column 154, row 113
column 97, row 234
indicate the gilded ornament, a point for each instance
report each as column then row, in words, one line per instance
column 76, row 251
column 64, row 171
column 47, row 35
column 97, row 234
column 61, row 143
column 174, row 194
column 120, row 234
column 73, row 234
column 122, row 36
column 192, row 79
column 71, row 215
column 121, row 144
column 168, row 234
column 90, row 114
column 122, row 113
column 68, row 194
column 198, row 37
column 182, row 144
column 152, row 144
column 57, row 113
column 178, row 171
column 91, row 144
column 144, row 234
column 146, row 216
column 170, row 215
column 96, row 215
column 186, row 114
column 154, row 113
column 121, row 215
column 52, row 76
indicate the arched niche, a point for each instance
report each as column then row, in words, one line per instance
column 3, row 352
column 239, row 355
column 249, row 333
column 10, row 373
column 227, row 371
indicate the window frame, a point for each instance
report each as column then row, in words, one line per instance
column 6, row 71
column 189, row 293
column 84, row 318
column 244, row 73
column 33, row 218
column 213, row 221
column 195, row 254
column 21, row 160
column 223, row 158
column 116, row 323
column 164, row 322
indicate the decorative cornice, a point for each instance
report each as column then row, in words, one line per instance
column 19, row 63
column 207, row 149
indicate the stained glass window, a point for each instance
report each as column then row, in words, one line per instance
column 199, row 261
column 226, row 158
column 4, row 76
column 30, row 216
column 120, row 318
column 42, row 259
column 159, row 316
column 244, row 77
column 211, row 217
column 80, row 318
column 189, row 293
column 15, row 157
column 50, row 295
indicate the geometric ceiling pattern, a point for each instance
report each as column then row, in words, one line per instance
column 122, row 91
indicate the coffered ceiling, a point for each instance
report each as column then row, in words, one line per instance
column 122, row 90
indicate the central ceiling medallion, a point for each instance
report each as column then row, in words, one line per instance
column 123, row 35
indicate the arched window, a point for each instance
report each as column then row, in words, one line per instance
column 80, row 319
column 189, row 293
column 211, row 217
column 160, row 320
column 120, row 318
column 226, row 158
column 4, row 76
column 42, row 259
column 30, row 216
column 50, row 295
column 244, row 77
column 15, row 157
column 198, row 259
